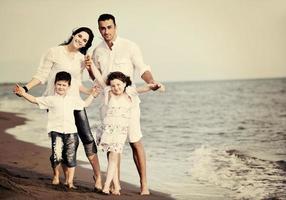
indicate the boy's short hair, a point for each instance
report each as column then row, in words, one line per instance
column 63, row 76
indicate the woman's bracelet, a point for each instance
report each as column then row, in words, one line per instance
column 26, row 89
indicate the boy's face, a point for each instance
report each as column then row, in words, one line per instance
column 61, row 87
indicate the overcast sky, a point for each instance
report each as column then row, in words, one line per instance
column 181, row 39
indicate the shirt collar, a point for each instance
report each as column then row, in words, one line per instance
column 114, row 42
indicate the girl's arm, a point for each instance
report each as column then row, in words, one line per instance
column 94, row 93
column 21, row 92
column 94, row 73
column 85, row 90
column 150, row 86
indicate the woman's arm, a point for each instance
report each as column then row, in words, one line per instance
column 32, row 83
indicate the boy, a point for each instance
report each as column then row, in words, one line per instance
column 61, row 124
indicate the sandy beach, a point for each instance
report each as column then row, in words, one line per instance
column 25, row 172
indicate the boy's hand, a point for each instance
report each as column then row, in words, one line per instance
column 18, row 90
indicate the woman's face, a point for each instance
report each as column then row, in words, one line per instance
column 80, row 39
column 117, row 86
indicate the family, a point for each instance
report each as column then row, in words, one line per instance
column 111, row 67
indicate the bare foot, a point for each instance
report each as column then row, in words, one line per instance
column 97, row 183
column 71, row 186
column 145, row 191
column 116, row 189
column 55, row 181
column 105, row 192
column 115, row 192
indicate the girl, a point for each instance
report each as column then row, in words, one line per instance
column 119, row 100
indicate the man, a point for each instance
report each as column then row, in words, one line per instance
column 118, row 54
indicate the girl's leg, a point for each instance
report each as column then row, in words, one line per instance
column 115, row 180
column 111, row 170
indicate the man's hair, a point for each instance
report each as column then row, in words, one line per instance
column 63, row 76
column 104, row 17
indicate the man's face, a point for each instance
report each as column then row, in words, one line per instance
column 107, row 30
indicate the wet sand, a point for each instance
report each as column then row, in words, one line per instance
column 25, row 172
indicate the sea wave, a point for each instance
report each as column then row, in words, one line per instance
column 246, row 176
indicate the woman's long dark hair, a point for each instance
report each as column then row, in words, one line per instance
column 84, row 49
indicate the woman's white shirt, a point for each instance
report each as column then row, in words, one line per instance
column 58, row 59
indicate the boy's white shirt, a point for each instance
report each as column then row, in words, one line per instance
column 61, row 112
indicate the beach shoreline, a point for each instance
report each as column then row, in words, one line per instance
column 25, row 172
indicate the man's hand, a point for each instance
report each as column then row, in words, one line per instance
column 157, row 86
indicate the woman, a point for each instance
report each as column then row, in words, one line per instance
column 69, row 57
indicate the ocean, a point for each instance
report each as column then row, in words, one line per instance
column 203, row 140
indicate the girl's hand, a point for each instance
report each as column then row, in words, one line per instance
column 18, row 90
column 88, row 62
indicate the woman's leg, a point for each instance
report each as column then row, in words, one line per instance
column 87, row 139
column 111, row 170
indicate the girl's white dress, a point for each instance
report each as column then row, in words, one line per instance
column 112, row 133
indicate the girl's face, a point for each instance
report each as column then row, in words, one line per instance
column 80, row 39
column 117, row 86
column 61, row 87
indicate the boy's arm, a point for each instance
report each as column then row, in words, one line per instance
column 21, row 92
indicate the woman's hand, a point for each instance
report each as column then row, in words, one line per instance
column 95, row 91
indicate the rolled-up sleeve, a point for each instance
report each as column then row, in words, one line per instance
column 137, row 60
column 79, row 104
column 45, row 66
column 44, row 102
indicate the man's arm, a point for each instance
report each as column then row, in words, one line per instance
column 148, row 78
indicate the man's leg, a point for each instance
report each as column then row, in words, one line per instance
column 140, row 162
